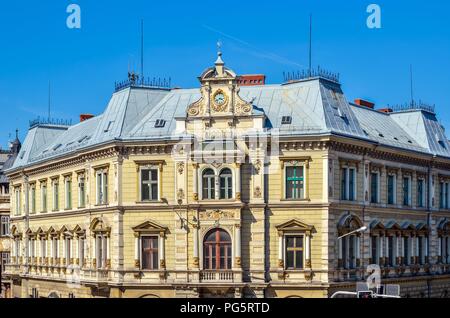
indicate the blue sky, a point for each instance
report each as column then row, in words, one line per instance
column 180, row 42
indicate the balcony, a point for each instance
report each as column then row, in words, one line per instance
column 217, row 276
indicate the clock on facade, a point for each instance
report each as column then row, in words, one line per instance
column 220, row 101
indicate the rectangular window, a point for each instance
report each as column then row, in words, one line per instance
column 102, row 187
column 33, row 199
column 101, row 248
column 391, row 189
column 421, row 250
column 407, row 191
column 55, row 186
column 344, row 184
column 43, row 248
column 18, row 201
column 4, row 226
column 81, row 192
column 406, row 251
column 443, row 195
column 4, row 260
column 149, row 252
column 391, row 252
column 68, row 248
column 348, row 184
column 43, row 197
column 374, row 247
column 420, row 193
column 295, row 183
column 55, row 249
column 374, row 185
column 149, row 185
column 68, row 193
column 294, row 252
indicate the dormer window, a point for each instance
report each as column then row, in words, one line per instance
column 286, row 120
column 160, row 123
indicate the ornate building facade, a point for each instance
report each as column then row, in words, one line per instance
column 7, row 158
column 231, row 190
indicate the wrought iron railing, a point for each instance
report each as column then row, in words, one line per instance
column 135, row 81
column 292, row 77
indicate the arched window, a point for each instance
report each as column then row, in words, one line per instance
column 350, row 244
column 217, row 250
column 209, row 189
column 226, row 184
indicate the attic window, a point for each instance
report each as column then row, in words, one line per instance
column 365, row 132
column 83, row 139
column 286, row 120
column 160, row 123
column 341, row 114
column 22, row 154
column 409, row 141
column 396, row 138
column 57, row 147
column 441, row 142
column 109, row 126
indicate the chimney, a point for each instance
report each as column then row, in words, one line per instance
column 84, row 117
column 386, row 110
column 252, row 80
column 364, row 103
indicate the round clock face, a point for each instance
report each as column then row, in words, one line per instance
column 219, row 99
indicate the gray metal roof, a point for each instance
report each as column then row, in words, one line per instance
column 317, row 106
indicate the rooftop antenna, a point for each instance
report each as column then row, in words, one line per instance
column 412, row 87
column 310, row 45
column 142, row 48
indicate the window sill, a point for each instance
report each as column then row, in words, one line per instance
column 150, row 202
column 296, row 200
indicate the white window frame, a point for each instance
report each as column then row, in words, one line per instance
column 5, row 225
column 68, row 191
column 44, row 197
column 55, row 195
column 18, row 201
column 229, row 185
column 32, row 198
column 102, row 188
column 101, row 250
column 81, row 193
column 158, row 182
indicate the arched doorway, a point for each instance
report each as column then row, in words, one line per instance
column 53, row 295
column 217, row 250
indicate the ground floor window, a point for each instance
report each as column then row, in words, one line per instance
column 294, row 252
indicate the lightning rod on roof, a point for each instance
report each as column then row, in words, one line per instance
column 142, row 48
column 411, row 82
column 49, row 99
column 310, row 44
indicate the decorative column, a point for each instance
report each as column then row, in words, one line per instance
column 308, row 264
column 195, row 181
column 108, row 252
column 238, row 181
column 196, row 247
column 280, row 251
column 94, row 252
column 137, row 262
column 76, row 251
column 237, row 242
column 162, row 255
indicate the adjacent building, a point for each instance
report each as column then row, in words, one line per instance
column 7, row 158
column 232, row 190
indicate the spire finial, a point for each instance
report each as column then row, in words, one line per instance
column 17, row 133
column 219, row 53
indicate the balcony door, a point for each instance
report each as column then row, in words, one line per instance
column 217, row 250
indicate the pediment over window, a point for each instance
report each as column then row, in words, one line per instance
column 99, row 226
column 150, row 227
column 295, row 225
column 408, row 226
column 52, row 231
column 444, row 227
column 15, row 231
column 392, row 225
column 30, row 233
